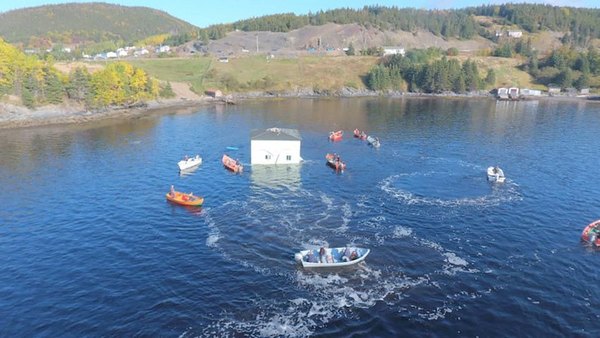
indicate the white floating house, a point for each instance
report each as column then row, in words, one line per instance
column 275, row 146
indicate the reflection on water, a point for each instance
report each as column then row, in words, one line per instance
column 276, row 176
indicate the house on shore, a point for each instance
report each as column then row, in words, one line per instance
column 275, row 146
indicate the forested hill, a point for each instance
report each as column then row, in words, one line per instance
column 579, row 24
column 87, row 22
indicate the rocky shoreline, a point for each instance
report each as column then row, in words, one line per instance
column 14, row 116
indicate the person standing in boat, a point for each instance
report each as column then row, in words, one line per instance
column 172, row 192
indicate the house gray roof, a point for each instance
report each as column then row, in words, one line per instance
column 275, row 134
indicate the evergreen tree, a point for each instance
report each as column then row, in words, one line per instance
column 167, row 91
column 54, row 87
column 583, row 81
column 565, row 78
column 490, row 78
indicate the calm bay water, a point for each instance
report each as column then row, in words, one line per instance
column 90, row 247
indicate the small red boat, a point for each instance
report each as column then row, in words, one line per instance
column 233, row 165
column 335, row 162
column 591, row 234
column 336, row 135
column 360, row 134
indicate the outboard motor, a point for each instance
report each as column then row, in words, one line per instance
column 298, row 257
column 593, row 237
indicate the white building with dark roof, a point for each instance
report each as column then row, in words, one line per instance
column 275, row 146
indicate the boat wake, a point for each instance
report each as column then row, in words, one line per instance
column 311, row 300
column 509, row 192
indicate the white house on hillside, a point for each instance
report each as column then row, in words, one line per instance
column 393, row 50
column 275, row 146
column 515, row 34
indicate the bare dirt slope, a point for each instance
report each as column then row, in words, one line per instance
column 182, row 91
column 332, row 38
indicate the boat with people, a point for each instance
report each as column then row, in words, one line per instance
column 181, row 198
column 360, row 134
column 495, row 174
column 373, row 141
column 336, row 135
column 331, row 257
column 334, row 161
column 591, row 234
column 189, row 162
column 231, row 164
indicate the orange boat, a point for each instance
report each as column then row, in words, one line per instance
column 232, row 164
column 336, row 135
column 591, row 234
column 360, row 134
column 184, row 199
column 335, row 162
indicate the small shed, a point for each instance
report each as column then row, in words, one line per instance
column 553, row 88
column 275, row 146
column 503, row 93
column 213, row 93
column 531, row 92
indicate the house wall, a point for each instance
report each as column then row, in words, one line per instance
column 278, row 151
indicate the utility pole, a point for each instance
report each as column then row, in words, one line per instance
column 256, row 42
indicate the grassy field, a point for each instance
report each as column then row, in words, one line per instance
column 259, row 73
column 507, row 72
column 319, row 73
column 189, row 70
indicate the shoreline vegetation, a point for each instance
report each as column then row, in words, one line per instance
column 15, row 116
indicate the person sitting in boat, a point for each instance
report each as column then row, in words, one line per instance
column 353, row 255
column 346, row 255
column 186, row 157
column 311, row 258
column 496, row 169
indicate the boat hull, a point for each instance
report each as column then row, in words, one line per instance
column 495, row 176
column 185, row 199
column 336, row 256
column 336, row 135
column 232, row 164
column 335, row 164
column 591, row 234
column 189, row 163
column 373, row 141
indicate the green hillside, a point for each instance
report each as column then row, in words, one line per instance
column 87, row 22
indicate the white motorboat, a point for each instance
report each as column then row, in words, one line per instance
column 331, row 257
column 373, row 141
column 495, row 174
column 189, row 162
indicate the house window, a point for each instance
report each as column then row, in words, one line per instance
column 288, row 157
column 267, row 157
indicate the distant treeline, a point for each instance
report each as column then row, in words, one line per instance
column 424, row 71
column 38, row 83
column 75, row 23
column 444, row 23
column 580, row 24
column 566, row 68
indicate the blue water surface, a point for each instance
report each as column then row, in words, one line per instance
column 90, row 246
